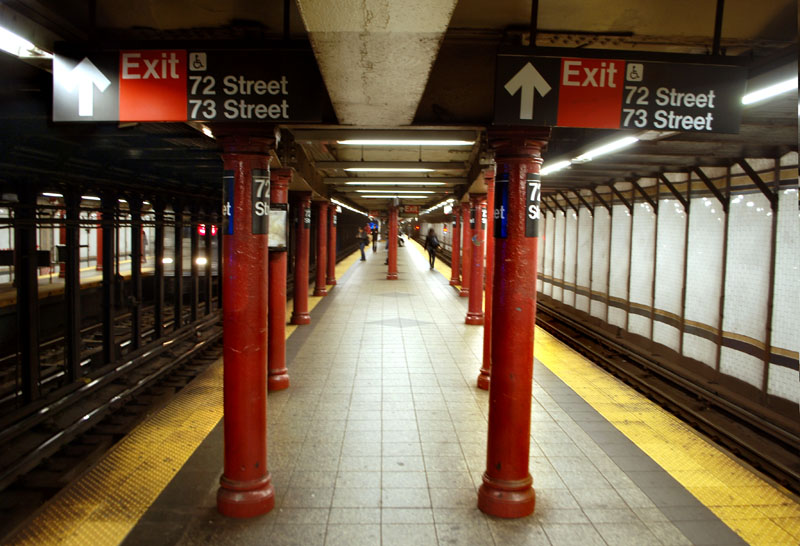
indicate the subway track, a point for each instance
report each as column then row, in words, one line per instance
column 43, row 451
column 769, row 448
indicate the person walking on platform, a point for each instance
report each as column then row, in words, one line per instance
column 362, row 242
column 375, row 239
column 431, row 244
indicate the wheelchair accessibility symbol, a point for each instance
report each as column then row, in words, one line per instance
column 197, row 62
column 634, row 72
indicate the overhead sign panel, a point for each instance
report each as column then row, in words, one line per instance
column 186, row 85
column 618, row 94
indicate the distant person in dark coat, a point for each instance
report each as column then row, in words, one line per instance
column 431, row 244
column 362, row 242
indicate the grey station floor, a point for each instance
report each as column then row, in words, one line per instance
column 381, row 440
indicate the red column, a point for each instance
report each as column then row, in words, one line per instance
column 245, row 487
column 466, row 254
column 300, row 313
column 331, row 277
column 99, row 232
column 278, row 375
column 484, row 378
column 392, row 274
column 455, row 276
column 507, row 489
column 320, row 288
column 478, row 229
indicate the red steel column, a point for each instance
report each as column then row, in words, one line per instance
column 393, row 216
column 478, row 229
column 322, row 245
column 484, row 378
column 300, row 313
column 507, row 489
column 278, row 375
column 455, row 276
column 466, row 250
column 331, row 277
column 245, row 487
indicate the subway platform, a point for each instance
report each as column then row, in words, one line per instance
column 381, row 439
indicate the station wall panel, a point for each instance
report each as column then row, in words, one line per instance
column 549, row 251
column 746, row 287
column 703, row 279
column 601, row 245
column 570, row 256
column 671, row 226
column 558, row 255
column 584, row 260
column 642, row 260
column 619, row 264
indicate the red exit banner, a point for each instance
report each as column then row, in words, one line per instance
column 618, row 94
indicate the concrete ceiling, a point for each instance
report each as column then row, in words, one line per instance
column 416, row 66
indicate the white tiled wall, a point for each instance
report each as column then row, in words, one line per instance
column 783, row 381
column 558, row 249
column 570, row 255
column 620, row 260
column 669, row 269
column 704, row 275
column 540, row 248
column 747, row 281
column 601, row 242
column 644, row 233
column 549, row 247
column 584, row 268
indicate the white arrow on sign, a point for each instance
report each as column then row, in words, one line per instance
column 528, row 79
column 87, row 76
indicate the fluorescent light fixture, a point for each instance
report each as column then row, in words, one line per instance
column 770, row 91
column 389, row 196
column 19, row 46
column 46, row 194
column 122, row 200
column 348, row 207
column 394, row 191
column 166, row 260
column 388, row 170
column 201, row 260
column 606, row 149
column 207, row 132
column 554, row 167
column 417, row 183
column 90, row 198
column 390, row 142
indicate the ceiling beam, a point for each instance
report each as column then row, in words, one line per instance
column 422, row 133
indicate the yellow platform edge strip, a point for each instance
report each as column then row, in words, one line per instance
column 105, row 503
column 758, row 511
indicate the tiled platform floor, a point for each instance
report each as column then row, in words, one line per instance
column 381, row 440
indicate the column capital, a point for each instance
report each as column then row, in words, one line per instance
column 518, row 142
column 247, row 145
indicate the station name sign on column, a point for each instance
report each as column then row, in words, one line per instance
column 186, row 85
column 618, row 94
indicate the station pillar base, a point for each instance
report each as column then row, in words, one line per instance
column 475, row 319
column 391, row 276
column 246, row 499
column 320, row 292
column 301, row 318
column 503, row 499
column 484, row 380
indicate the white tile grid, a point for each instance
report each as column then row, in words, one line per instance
column 571, row 242
column 601, row 242
column 703, row 275
column 644, row 232
column 747, row 282
column 548, row 252
column 784, row 382
column 671, row 225
column 584, row 267
column 558, row 249
column 620, row 253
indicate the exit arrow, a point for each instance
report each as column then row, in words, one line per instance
column 529, row 80
column 87, row 76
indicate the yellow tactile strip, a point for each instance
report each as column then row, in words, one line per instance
column 103, row 505
column 761, row 513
